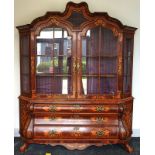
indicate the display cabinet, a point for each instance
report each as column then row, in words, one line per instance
column 76, row 78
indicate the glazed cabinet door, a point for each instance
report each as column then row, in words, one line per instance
column 99, row 63
column 54, row 63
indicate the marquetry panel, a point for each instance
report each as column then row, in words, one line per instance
column 70, row 132
column 98, row 108
column 75, row 118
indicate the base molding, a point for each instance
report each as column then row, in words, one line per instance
column 80, row 145
column 77, row 146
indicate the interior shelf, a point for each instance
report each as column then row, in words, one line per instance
column 48, row 55
column 51, row 74
column 101, row 56
column 98, row 75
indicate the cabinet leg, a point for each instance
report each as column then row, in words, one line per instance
column 24, row 147
column 127, row 147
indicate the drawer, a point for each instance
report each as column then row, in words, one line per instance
column 80, row 108
column 76, row 119
column 72, row 132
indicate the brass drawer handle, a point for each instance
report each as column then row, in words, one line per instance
column 100, row 133
column 52, row 108
column 99, row 108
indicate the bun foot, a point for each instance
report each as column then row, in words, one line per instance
column 23, row 147
column 128, row 148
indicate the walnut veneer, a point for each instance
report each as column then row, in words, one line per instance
column 95, row 106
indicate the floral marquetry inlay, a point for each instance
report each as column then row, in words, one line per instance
column 120, row 36
column 53, row 133
column 101, row 119
column 100, row 22
column 75, row 116
column 76, row 132
column 23, row 113
column 115, row 31
column 119, row 65
column 54, row 21
column 76, row 107
column 77, row 77
column 52, row 118
column 32, row 64
column 127, row 117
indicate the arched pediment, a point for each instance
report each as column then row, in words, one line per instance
column 75, row 18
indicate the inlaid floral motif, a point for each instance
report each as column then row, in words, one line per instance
column 76, row 107
column 127, row 117
column 54, row 20
column 76, row 132
column 101, row 119
column 54, row 133
column 99, row 22
column 23, row 113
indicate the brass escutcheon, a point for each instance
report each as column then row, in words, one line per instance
column 52, row 108
column 100, row 133
column 99, row 108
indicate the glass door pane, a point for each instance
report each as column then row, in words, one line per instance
column 25, row 61
column 53, row 62
column 127, row 64
column 99, row 62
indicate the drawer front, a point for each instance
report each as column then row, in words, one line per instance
column 78, row 132
column 76, row 119
column 80, row 108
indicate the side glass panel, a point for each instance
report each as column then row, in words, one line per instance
column 25, row 71
column 127, row 64
column 99, row 62
column 53, row 62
